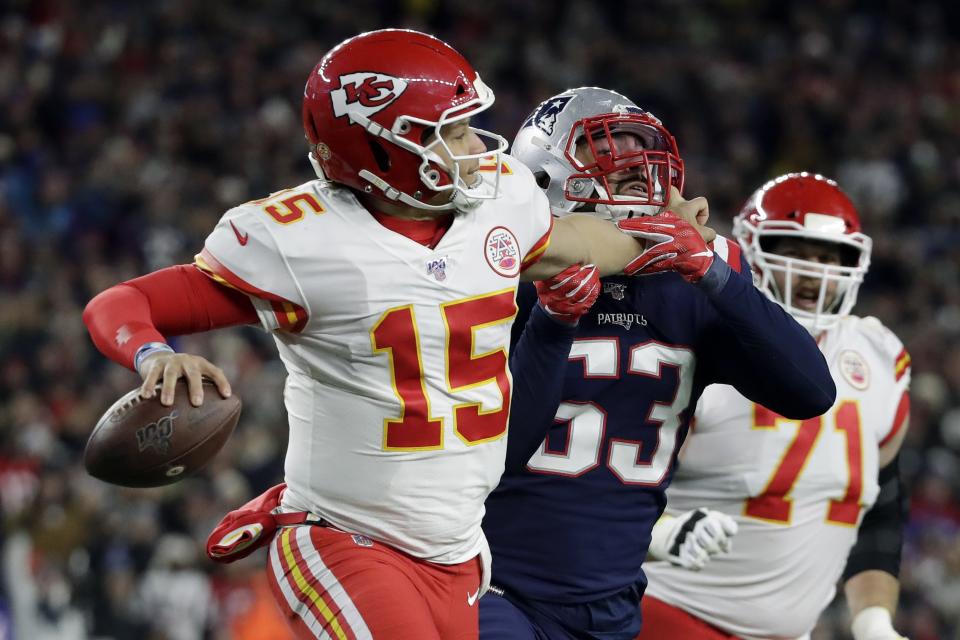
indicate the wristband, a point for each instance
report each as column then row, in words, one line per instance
column 149, row 349
column 659, row 548
column 873, row 622
column 715, row 279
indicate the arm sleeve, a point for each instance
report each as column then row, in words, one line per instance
column 762, row 351
column 538, row 363
column 173, row 301
column 880, row 537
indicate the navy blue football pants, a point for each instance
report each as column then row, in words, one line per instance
column 508, row 617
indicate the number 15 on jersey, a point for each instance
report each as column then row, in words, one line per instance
column 396, row 335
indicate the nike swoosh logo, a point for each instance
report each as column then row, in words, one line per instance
column 472, row 598
column 242, row 238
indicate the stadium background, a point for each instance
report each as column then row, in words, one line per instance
column 126, row 129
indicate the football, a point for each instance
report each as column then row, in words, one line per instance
column 141, row 443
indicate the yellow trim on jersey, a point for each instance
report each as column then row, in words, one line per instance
column 205, row 268
column 536, row 253
column 487, row 163
column 271, row 196
column 307, row 589
column 537, row 249
column 901, row 366
column 291, row 313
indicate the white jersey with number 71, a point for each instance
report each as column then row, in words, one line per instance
column 798, row 489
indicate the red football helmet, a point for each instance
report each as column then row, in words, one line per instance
column 372, row 102
column 811, row 207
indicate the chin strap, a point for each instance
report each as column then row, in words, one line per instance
column 462, row 200
column 620, row 211
column 316, row 166
column 470, row 198
column 392, row 193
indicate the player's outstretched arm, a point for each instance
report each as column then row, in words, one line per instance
column 766, row 354
column 127, row 323
column 583, row 239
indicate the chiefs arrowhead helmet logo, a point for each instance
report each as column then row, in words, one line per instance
column 365, row 93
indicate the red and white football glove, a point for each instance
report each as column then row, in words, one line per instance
column 244, row 530
column 673, row 245
column 569, row 294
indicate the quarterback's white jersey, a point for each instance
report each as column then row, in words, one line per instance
column 798, row 489
column 398, row 384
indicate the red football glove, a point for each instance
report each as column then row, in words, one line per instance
column 570, row 294
column 244, row 530
column 674, row 245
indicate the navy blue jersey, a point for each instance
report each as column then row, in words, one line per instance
column 572, row 522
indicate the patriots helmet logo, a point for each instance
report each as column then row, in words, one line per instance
column 545, row 116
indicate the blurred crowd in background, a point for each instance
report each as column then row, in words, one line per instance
column 127, row 129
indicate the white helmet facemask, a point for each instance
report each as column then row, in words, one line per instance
column 463, row 195
column 844, row 280
column 836, row 292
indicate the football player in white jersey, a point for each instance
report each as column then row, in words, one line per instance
column 810, row 497
column 389, row 286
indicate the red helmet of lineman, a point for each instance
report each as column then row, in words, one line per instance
column 372, row 105
column 812, row 208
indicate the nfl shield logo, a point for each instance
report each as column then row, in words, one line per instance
column 438, row 268
column 616, row 290
column 361, row 540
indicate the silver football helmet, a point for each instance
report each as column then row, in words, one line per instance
column 575, row 145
